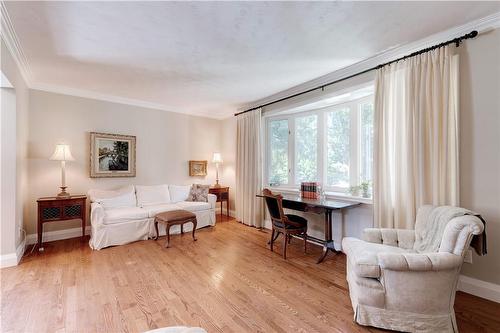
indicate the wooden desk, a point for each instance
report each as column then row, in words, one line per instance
column 320, row 206
column 222, row 194
column 52, row 209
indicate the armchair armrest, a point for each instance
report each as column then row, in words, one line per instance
column 402, row 238
column 96, row 214
column 212, row 199
column 438, row 261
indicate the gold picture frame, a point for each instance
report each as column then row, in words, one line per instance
column 112, row 155
column 197, row 168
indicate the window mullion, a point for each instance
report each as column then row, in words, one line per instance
column 321, row 153
column 354, row 145
column 291, row 151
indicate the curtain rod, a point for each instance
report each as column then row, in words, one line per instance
column 457, row 42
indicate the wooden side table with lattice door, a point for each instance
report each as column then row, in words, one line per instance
column 52, row 209
column 222, row 194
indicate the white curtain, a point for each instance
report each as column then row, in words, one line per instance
column 416, row 137
column 249, row 209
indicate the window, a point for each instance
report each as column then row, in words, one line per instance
column 278, row 159
column 332, row 145
column 306, row 148
column 338, row 143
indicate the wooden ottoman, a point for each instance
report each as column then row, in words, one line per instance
column 175, row 217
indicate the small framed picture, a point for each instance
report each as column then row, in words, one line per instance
column 197, row 168
column 112, row 155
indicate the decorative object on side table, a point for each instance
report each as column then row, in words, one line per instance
column 63, row 154
column 222, row 194
column 52, row 209
column 217, row 159
column 197, row 168
column 112, row 155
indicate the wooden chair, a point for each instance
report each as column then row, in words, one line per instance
column 286, row 224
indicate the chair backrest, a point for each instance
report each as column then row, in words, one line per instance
column 274, row 204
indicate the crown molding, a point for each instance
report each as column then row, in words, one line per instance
column 9, row 36
column 113, row 99
column 481, row 25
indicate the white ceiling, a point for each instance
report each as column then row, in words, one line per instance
column 209, row 58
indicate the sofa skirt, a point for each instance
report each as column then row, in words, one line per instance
column 104, row 235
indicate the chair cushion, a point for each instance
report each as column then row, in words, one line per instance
column 193, row 206
column 124, row 214
column 155, row 209
column 294, row 218
column 152, row 195
column 363, row 255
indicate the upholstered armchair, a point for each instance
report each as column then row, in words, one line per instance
column 396, row 282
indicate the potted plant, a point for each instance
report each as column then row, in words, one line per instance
column 363, row 189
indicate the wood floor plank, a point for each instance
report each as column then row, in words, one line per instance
column 227, row 281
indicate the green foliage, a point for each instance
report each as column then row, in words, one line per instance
column 278, row 172
column 338, row 135
column 306, row 149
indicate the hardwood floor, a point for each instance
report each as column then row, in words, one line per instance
column 227, row 281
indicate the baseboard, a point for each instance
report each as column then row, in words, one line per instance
column 50, row 236
column 8, row 260
column 483, row 289
column 12, row 259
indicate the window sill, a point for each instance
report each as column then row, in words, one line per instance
column 330, row 195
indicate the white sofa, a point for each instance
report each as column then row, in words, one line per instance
column 405, row 280
column 127, row 215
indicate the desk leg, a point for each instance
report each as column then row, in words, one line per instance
column 328, row 245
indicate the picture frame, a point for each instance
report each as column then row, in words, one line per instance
column 197, row 168
column 112, row 155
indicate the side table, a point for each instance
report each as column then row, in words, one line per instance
column 222, row 194
column 52, row 209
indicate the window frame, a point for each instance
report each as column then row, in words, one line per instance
column 355, row 107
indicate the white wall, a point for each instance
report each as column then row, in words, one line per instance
column 480, row 144
column 228, row 141
column 166, row 141
column 8, row 170
column 16, row 124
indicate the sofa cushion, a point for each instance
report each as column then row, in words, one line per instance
column 363, row 255
column 193, row 206
column 124, row 214
column 124, row 197
column 152, row 195
column 152, row 210
column 179, row 192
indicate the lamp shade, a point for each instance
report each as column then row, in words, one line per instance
column 62, row 153
column 217, row 158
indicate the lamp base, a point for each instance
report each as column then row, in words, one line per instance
column 63, row 193
column 216, row 185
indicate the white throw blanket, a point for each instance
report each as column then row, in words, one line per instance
column 430, row 225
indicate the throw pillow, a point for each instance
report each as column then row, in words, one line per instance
column 202, row 193
column 198, row 192
column 192, row 193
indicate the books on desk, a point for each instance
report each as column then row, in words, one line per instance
column 309, row 190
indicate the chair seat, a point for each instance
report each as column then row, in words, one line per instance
column 294, row 218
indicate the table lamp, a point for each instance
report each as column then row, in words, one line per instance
column 217, row 158
column 63, row 154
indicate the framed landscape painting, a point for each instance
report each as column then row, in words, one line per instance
column 197, row 168
column 112, row 155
